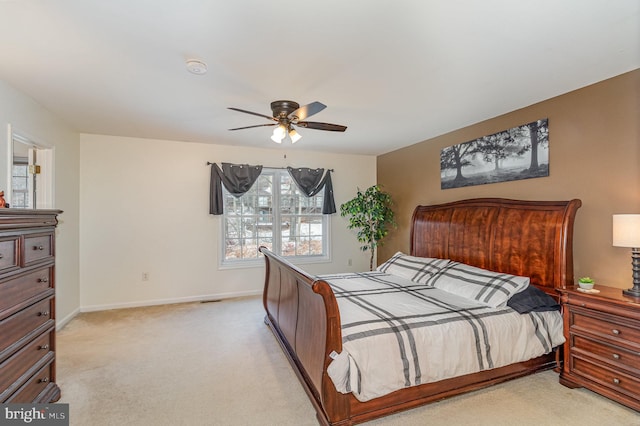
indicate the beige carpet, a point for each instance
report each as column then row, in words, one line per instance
column 218, row 364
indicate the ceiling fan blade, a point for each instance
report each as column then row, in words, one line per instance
column 322, row 126
column 253, row 113
column 307, row 110
column 257, row 125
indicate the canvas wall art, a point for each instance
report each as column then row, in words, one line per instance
column 518, row 153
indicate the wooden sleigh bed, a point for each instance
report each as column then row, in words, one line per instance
column 526, row 238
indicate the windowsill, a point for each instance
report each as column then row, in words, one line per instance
column 258, row 263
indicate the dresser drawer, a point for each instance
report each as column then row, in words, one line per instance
column 34, row 387
column 608, row 353
column 14, row 369
column 606, row 326
column 17, row 329
column 9, row 254
column 37, row 248
column 24, row 288
column 610, row 378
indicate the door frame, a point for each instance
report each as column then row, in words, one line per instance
column 45, row 159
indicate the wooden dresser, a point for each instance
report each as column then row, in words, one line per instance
column 27, row 306
column 602, row 351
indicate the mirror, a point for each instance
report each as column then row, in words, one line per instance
column 29, row 174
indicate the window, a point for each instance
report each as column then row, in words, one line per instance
column 274, row 213
column 20, row 184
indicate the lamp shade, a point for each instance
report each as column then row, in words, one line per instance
column 279, row 133
column 626, row 230
column 295, row 136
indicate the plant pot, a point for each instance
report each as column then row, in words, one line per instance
column 586, row 286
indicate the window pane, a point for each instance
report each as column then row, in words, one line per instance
column 232, row 227
column 19, row 199
column 19, row 184
column 20, row 170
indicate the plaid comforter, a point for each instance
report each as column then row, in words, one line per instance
column 398, row 333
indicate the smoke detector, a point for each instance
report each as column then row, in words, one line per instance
column 195, row 66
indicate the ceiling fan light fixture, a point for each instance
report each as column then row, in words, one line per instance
column 295, row 136
column 289, row 114
column 279, row 133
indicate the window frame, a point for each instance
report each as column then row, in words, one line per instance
column 224, row 263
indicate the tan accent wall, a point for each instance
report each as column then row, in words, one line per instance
column 594, row 155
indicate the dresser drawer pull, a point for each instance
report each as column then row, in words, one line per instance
column 615, row 331
column 616, row 381
column 616, row 356
column 43, row 347
column 45, row 380
column 43, row 280
column 43, row 313
column 1, row 255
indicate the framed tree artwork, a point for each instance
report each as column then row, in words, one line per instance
column 521, row 152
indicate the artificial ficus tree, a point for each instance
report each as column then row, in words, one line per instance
column 371, row 215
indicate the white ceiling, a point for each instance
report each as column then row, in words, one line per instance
column 395, row 72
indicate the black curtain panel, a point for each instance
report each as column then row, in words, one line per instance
column 236, row 178
column 311, row 181
column 329, row 206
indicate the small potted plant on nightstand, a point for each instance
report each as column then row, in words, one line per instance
column 586, row 283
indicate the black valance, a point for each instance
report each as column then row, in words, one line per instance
column 311, row 181
column 236, row 178
column 239, row 178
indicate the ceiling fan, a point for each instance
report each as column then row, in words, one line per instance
column 287, row 115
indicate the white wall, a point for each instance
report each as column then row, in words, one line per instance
column 42, row 127
column 144, row 208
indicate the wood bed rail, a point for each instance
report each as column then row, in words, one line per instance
column 303, row 312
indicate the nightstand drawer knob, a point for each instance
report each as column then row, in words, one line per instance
column 40, row 247
column 45, row 380
column 43, row 313
column 616, row 381
column 43, row 280
column 43, row 347
column 616, row 356
column 615, row 331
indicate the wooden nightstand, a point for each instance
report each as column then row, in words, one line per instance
column 602, row 351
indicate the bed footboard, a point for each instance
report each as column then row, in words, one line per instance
column 303, row 314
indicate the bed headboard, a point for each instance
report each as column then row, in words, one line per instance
column 527, row 238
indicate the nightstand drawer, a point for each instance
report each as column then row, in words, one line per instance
column 612, row 379
column 605, row 325
column 612, row 354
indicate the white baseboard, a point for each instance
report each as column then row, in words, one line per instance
column 141, row 303
column 60, row 323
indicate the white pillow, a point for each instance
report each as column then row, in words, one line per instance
column 486, row 287
column 417, row 269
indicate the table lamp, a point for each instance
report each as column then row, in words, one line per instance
column 626, row 233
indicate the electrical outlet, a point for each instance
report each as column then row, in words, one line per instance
column 145, row 276
column 349, row 262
